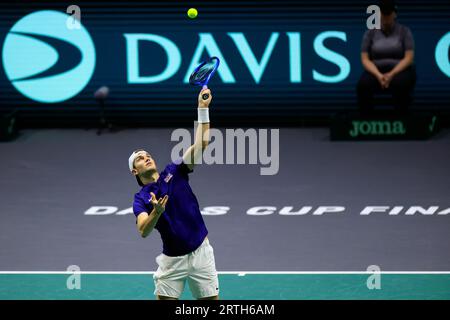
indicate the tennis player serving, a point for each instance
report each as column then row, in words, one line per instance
column 167, row 203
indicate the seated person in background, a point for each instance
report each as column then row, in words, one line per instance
column 387, row 55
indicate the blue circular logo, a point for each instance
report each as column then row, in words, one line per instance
column 45, row 59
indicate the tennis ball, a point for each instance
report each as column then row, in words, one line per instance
column 192, row 13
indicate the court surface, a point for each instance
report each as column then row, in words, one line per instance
column 52, row 178
column 233, row 286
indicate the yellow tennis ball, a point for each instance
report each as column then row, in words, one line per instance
column 192, row 13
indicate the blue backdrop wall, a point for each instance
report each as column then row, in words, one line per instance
column 281, row 61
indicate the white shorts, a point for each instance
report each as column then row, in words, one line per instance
column 198, row 267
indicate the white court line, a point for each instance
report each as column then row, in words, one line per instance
column 240, row 273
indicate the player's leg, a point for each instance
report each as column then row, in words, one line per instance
column 158, row 297
column 210, row 298
column 203, row 279
column 170, row 278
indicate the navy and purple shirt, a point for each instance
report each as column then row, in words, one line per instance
column 181, row 225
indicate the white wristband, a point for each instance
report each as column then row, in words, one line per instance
column 203, row 115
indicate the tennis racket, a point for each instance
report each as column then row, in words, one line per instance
column 203, row 73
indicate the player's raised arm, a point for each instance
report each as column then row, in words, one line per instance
column 194, row 152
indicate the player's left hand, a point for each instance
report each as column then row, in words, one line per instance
column 159, row 204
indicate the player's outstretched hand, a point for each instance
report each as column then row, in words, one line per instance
column 204, row 103
column 159, row 204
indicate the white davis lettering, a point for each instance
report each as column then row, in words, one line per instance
column 292, row 211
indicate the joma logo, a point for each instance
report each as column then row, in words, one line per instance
column 367, row 128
